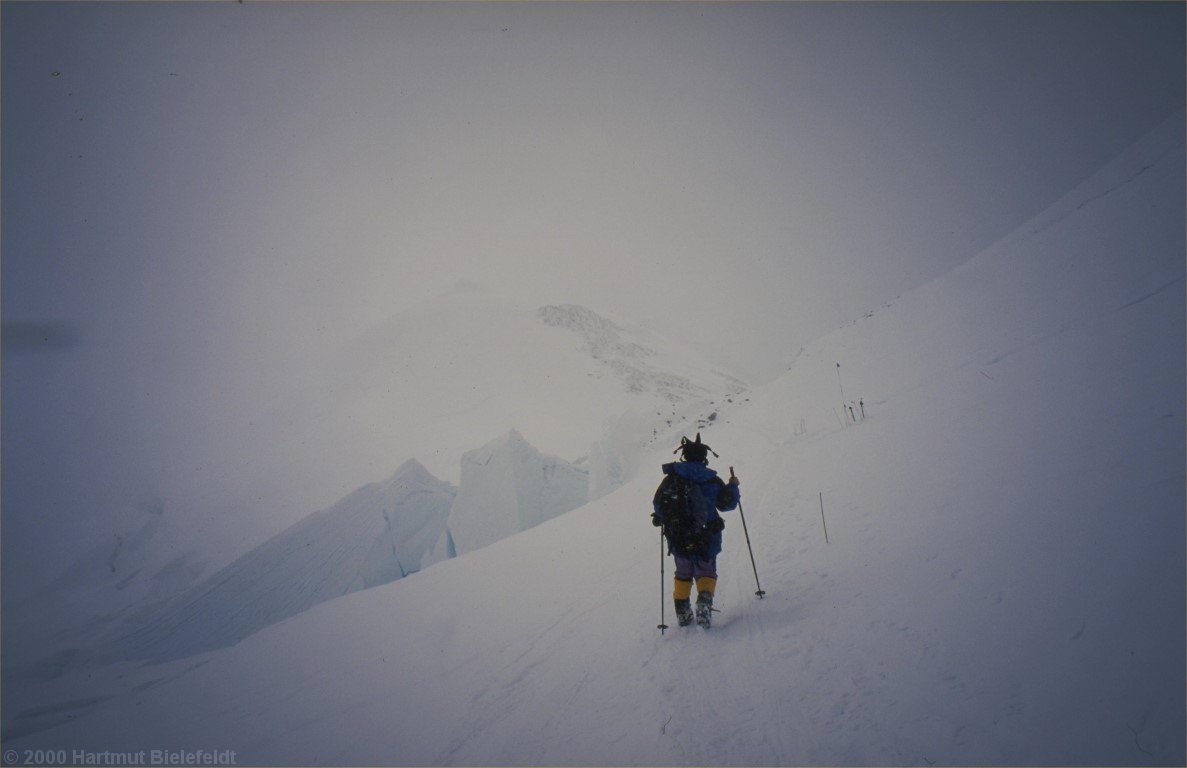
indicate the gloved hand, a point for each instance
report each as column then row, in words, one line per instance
column 655, row 520
column 716, row 526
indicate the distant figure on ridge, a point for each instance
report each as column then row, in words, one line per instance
column 686, row 506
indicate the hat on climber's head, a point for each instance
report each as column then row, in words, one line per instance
column 694, row 450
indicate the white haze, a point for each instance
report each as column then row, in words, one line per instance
column 204, row 204
column 1000, row 581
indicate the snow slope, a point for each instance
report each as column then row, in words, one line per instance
column 122, row 579
column 379, row 533
column 1003, row 581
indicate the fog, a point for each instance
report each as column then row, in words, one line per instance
column 203, row 202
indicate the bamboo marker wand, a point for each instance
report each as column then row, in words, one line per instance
column 822, row 517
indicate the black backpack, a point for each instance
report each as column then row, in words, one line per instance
column 684, row 510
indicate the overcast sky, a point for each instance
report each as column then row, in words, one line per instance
column 201, row 200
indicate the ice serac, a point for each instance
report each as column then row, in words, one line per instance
column 377, row 534
column 507, row 486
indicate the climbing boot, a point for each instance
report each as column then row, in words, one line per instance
column 705, row 609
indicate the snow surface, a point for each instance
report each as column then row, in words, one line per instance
column 120, row 581
column 1003, row 581
column 377, row 534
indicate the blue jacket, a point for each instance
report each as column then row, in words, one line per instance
column 720, row 495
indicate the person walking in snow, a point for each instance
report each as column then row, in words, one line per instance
column 686, row 506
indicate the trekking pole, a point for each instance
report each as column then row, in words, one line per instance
column 760, row 591
column 662, row 626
